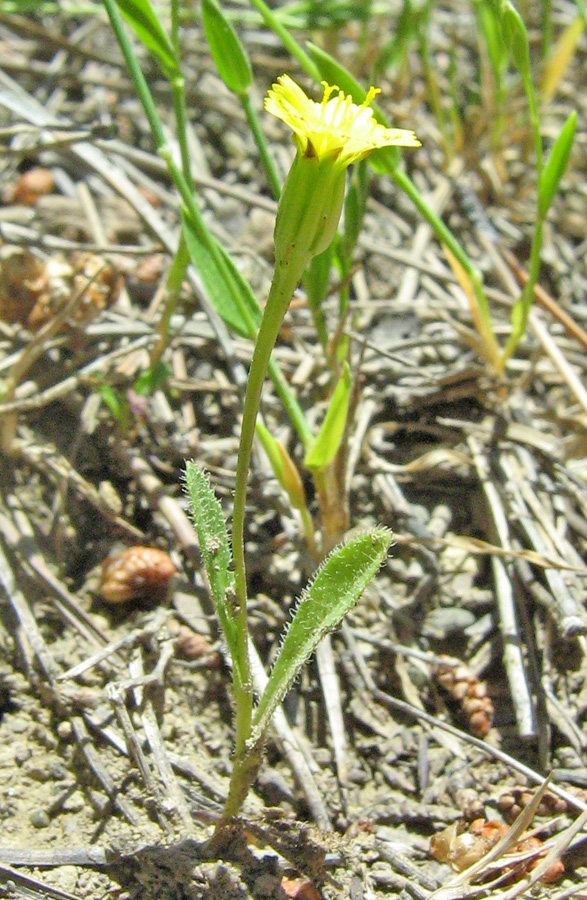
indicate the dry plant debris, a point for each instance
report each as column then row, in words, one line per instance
column 465, row 843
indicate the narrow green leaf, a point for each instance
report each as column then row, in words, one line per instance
column 490, row 29
column 336, row 587
column 284, row 468
column 228, row 291
column 328, row 439
column 556, row 164
column 112, row 400
column 228, row 53
column 515, row 37
column 214, row 547
column 141, row 16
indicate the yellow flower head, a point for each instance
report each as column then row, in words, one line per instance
column 335, row 128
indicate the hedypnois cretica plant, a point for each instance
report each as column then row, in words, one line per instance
column 330, row 135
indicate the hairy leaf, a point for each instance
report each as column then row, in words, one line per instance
column 336, row 587
column 214, row 546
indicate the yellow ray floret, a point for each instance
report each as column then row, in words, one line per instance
column 335, row 127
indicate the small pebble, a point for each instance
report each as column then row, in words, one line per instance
column 19, row 726
column 64, row 731
column 21, row 754
column 441, row 622
column 39, row 818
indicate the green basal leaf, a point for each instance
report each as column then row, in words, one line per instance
column 489, row 27
column 226, row 288
column 556, row 164
column 336, row 587
column 227, row 51
column 214, row 547
column 143, row 19
column 328, row 439
column 342, row 349
column 519, row 318
column 283, row 466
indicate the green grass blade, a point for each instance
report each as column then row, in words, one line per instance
column 227, row 51
column 228, row 291
column 515, row 37
column 315, row 282
column 556, row 164
column 337, row 586
column 328, row 439
column 144, row 21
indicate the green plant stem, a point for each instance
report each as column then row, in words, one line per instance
column 181, row 121
column 266, row 160
column 285, row 279
column 175, row 26
column 146, row 98
column 134, row 70
column 290, row 404
column 534, row 123
column 179, row 101
column 522, row 307
column 309, row 533
column 288, row 41
column 244, row 772
column 524, row 304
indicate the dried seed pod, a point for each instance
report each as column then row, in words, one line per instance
column 462, row 845
column 471, row 804
column 471, row 693
column 32, row 185
column 135, row 572
column 514, row 801
column 194, row 646
column 32, row 291
column 20, row 273
column 299, row 889
column 97, row 282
